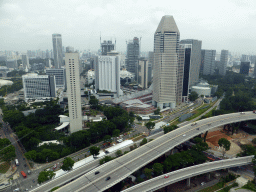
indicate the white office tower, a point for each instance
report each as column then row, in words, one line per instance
column 57, row 50
column 166, row 50
column 25, row 61
column 208, row 61
column 38, row 86
column 107, row 73
column 223, row 62
column 73, row 91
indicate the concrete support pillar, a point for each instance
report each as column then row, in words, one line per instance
column 208, row 176
column 188, row 182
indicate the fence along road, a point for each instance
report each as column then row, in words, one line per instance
column 120, row 168
column 181, row 174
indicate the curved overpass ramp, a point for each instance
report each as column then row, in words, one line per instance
column 181, row 174
column 118, row 169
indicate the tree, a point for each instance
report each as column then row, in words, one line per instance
column 157, row 111
column 193, row 96
column 225, row 144
column 116, row 133
column 143, row 142
column 31, row 155
column 158, row 168
column 107, row 139
column 68, row 163
column 118, row 153
column 94, row 151
column 148, row 172
column 150, row 125
column 139, row 118
column 200, row 146
column 93, row 102
column 44, row 176
column 254, row 141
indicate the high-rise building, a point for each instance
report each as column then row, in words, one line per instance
column 208, row 61
column 38, row 86
column 245, row 67
column 150, row 65
column 166, row 70
column 11, row 63
column 133, row 54
column 195, row 59
column 107, row 73
column 107, row 46
column 223, row 62
column 245, row 58
column 186, row 72
column 25, row 61
column 57, row 50
column 73, row 90
column 143, row 73
column 69, row 49
column 60, row 77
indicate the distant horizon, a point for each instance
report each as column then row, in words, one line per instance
column 222, row 24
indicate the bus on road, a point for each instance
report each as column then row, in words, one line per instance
column 16, row 162
column 23, row 174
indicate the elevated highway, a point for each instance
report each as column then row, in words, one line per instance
column 181, row 174
column 118, row 169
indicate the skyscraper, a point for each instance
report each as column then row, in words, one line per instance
column 186, row 72
column 25, row 61
column 166, row 57
column 106, row 47
column 208, row 61
column 143, row 73
column 57, row 50
column 107, row 73
column 223, row 62
column 245, row 67
column 195, row 59
column 150, row 65
column 73, row 90
column 133, row 53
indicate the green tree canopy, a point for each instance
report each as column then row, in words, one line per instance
column 225, row 144
column 158, row 168
column 148, row 172
column 107, row 139
column 193, row 96
column 150, row 125
column 68, row 163
column 94, row 151
column 44, row 176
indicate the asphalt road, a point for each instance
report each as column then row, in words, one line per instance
column 181, row 174
column 129, row 163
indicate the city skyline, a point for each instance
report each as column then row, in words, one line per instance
column 28, row 25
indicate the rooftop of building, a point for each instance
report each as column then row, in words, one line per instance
column 136, row 103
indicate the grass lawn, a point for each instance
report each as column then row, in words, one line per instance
column 4, row 167
column 212, row 188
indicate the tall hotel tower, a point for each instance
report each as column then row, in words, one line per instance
column 57, row 50
column 166, row 67
column 73, row 90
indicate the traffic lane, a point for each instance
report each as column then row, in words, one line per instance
column 66, row 177
column 114, row 178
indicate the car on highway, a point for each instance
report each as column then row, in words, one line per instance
column 54, row 167
column 254, row 111
column 108, row 178
column 184, row 135
column 194, row 123
column 33, row 180
column 97, row 172
column 203, row 183
column 242, row 113
column 166, row 176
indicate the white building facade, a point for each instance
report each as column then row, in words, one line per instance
column 166, row 60
column 60, row 77
column 38, row 86
column 107, row 73
column 73, row 91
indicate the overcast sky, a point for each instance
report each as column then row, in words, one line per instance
column 220, row 24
